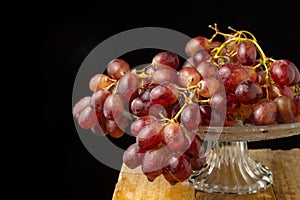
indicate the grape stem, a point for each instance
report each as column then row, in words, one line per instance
column 236, row 39
column 175, row 118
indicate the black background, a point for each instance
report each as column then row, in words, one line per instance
column 57, row 36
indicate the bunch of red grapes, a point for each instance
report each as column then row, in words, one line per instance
column 222, row 83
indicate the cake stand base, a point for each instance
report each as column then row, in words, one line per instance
column 231, row 170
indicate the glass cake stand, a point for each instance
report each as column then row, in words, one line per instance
column 229, row 168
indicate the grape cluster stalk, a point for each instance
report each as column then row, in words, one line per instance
column 166, row 102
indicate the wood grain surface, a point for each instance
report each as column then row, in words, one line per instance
column 285, row 165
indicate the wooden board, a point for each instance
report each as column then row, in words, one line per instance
column 285, row 165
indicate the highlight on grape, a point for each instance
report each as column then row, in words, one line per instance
column 223, row 82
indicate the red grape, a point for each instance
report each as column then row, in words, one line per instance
column 188, row 76
column 99, row 129
column 297, row 76
column 232, row 103
column 168, row 176
column 188, row 63
column 164, row 74
column 246, row 53
column 128, row 86
column 198, row 163
column 261, row 77
column 138, row 124
column 282, row 72
column 190, row 116
column 158, row 111
column 207, row 70
column 174, row 137
column 297, row 102
column 245, row 111
column 251, row 71
column 163, row 95
column 116, row 129
column 113, row 107
column 133, row 156
column 87, row 118
column 209, row 86
column 277, row 90
column 195, row 44
column 211, row 116
column 155, row 160
column 117, row 68
column 80, row 105
column 218, row 100
column 150, row 136
column 98, row 98
column 201, row 56
column 140, row 107
column 286, row 110
column 167, row 58
column 99, row 81
column 248, row 92
column 232, row 74
column 180, row 167
column 264, row 112
column 196, row 146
